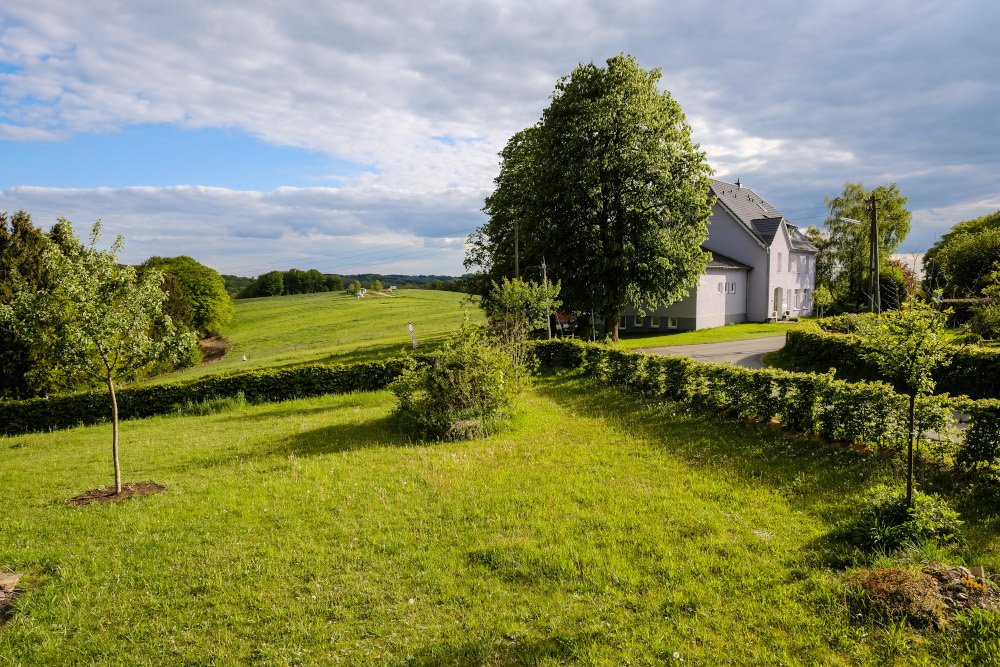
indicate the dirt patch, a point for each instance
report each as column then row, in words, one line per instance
column 108, row 495
column 8, row 593
column 213, row 349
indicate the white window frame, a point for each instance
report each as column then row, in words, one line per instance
column 720, row 287
column 654, row 322
column 671, row 322
column 779, row 262
column 637, row 321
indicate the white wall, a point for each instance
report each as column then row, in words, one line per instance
column 730, row 237
column 715, row 309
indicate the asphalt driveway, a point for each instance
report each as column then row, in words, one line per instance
column 748, row 353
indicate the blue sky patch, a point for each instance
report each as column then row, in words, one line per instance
column 164, row 155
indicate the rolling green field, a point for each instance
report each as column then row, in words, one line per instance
column 333, row 327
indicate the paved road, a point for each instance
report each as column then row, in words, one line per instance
column 749, row 353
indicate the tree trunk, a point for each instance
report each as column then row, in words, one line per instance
column 611, row 327
column 114, row 439
column 909, row 453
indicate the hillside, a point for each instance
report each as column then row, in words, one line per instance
column 330, row 327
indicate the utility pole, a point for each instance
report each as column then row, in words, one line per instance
column 874, row 287
column 548, row 316
column 517, row 263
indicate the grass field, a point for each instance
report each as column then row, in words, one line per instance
column 335, row 327
column 714, row 335
column 601, row 529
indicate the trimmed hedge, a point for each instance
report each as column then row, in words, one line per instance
column 862, row 413
column 973, row 371
column 143, row 400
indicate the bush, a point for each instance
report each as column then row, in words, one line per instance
column 897, row 593
column 884, row 523
column 464, row 392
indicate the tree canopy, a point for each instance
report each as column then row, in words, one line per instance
column 205, row 289
column 849, row 242
column 25, row 371
column 962, row 262
column 608, row 189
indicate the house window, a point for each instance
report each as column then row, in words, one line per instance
column 805, row 298
column 779, row 262
column 720, row 288
column 798, row 265
column 621, row 321
column 638, row 321
column 732, row 287
column 654, row 322
column 796, row 300
column 791, row 261
column 671, row 322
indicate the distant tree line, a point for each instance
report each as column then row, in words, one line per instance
column 295, row 281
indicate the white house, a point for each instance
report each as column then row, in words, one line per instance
column 762, row 268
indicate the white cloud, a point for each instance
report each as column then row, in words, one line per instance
column 794, row 98
column 254, row 232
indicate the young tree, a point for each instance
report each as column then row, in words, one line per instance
column 907, row 345
column 822, row 298
column 97, row 319
column 354, row 287
column 517, row 307
column 377, row 286
column 849, row 242
column 609, row 188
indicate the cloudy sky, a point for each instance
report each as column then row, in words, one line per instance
column 363, row 136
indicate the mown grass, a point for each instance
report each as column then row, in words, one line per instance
column 715, row 335
column 335, row 327
column 601, row 528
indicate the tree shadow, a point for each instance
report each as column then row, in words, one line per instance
column 806, row 471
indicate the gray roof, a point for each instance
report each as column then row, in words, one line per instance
column 757, row 214
column 720, row 261
column 799, row 240
column 766, row 228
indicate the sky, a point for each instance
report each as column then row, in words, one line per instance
column 363, row 136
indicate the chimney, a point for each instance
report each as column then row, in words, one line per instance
column 739, row 186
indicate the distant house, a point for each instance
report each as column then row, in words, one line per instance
column 762, row 268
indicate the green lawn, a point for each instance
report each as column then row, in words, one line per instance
column 715, row 335
column 335, row 327
column 601, row 529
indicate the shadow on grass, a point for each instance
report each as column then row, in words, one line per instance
column 811, row 475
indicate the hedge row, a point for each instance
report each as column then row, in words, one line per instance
column 973, row 371
column 143, row 400
column 864, row 413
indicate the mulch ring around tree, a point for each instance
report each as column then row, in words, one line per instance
column 8, row 592
column 108, row 495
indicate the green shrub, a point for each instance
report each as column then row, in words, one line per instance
column 896, row 593
column 884, row 523
column 464, row 392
